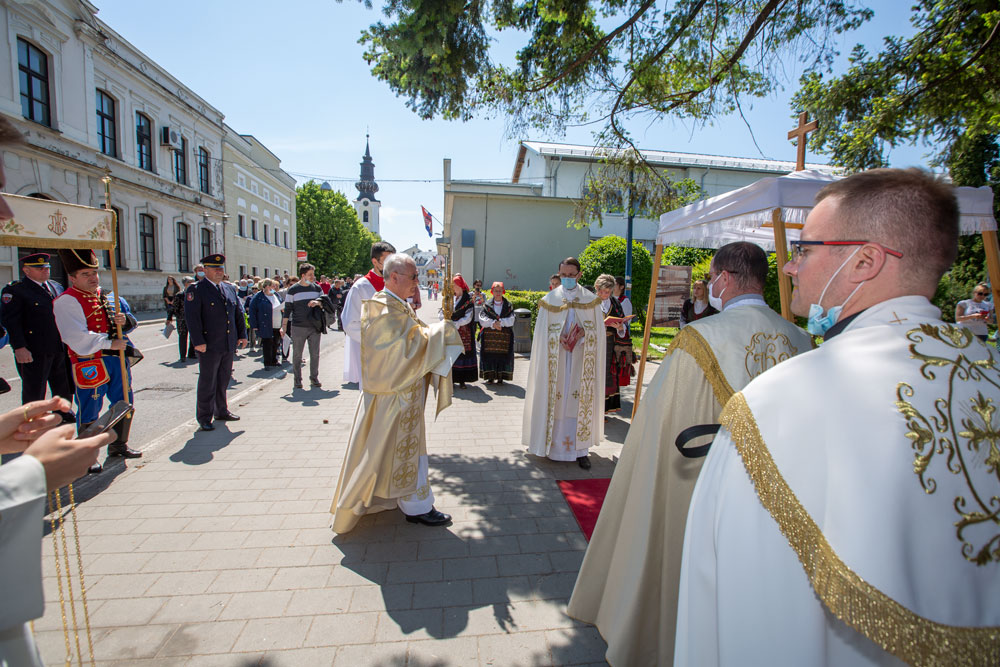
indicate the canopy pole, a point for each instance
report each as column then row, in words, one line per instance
column 114, row 283
column 649, row 324
column 992, row 263
column 781, row 251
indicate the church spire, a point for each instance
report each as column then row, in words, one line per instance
column 367, row 187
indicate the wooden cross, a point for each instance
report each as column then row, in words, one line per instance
column 800, row 132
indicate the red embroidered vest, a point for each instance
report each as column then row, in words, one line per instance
column 95, row 312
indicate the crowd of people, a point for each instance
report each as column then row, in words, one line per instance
column 825, row 501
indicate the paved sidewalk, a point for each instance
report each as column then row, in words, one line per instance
column 216, row 548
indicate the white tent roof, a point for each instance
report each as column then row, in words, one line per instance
column 740, row 215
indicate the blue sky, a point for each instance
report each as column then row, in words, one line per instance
column 295, row 79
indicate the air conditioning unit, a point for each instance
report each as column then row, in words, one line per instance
column 171, row 138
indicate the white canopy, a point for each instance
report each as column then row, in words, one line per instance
column 740, row 215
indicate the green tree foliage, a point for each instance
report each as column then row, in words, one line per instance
column 607, row 255
column 681, row 256
column 936, row 86
column 597, row 59
column 328, row 229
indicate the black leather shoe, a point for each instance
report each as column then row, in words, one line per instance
column 584, row 462
column 432, row 518
column 96, row 468
column 206, row 427
column 124, row 451
column 228, row 417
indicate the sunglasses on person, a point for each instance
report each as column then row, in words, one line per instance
column 799, row 247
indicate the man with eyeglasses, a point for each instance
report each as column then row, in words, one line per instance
column 628, row 582
column 974, row 313
column 401, row 357
column 846, row 513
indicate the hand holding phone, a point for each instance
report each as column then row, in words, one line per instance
column 107, row 421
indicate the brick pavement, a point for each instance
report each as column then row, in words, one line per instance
column 216, row 548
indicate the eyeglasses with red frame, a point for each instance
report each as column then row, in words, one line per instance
column 798, row 250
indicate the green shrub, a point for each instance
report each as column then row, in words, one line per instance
column 526, row 299
column 607, row 255
column 679, row 256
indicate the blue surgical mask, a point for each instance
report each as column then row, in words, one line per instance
column 568, row 283
column 819, row 323
column 200, row 274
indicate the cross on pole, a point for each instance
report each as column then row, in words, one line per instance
column 800, row 132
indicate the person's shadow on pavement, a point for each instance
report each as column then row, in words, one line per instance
column 201, row 447
column 309, row 397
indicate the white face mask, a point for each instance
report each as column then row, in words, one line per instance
column 715, row 301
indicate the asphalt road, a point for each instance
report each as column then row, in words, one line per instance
column 164, row 389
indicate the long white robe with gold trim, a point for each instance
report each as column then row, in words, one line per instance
column 826, row 525
column 350, row 317
column 564, row 400
column 385, row 465
column 627, row 585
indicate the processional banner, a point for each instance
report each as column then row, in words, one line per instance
column 673, row 286
column 41, row 223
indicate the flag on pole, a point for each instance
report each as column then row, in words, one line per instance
column 427, row 221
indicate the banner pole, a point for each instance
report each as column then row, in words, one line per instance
column 781, row 254
column 114, row 283
column 649, row 324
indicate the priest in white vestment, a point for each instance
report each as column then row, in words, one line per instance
column 564, row 401
column 628, row 582
column 847, row 511
column 363, row 289
column 386, row 461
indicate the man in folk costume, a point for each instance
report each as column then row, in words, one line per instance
column 86, row 321
column 847, row 511
column 628, row 582
column 564, row 401
column 363, row 289
column 386, row 462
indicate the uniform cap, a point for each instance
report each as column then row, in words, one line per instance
column 74, row 260
column 39, row 260
column 214, row 261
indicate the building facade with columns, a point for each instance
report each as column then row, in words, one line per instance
column 260, row 209
column 89, row 103
column 516, row 231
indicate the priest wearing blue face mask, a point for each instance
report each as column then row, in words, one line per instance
column 830, row 498
column 564, row 401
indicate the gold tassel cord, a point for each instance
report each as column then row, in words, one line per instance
column 64, row 573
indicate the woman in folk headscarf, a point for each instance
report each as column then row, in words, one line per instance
column 496, row 362
column 465, row 368
column 614, row 329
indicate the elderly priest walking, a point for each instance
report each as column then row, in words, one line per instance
column 628, row 582
column 847, row 511
column 386, row 461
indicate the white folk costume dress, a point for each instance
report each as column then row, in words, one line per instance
column 564, row 401
column 362, row 290
column 847, row 511
column 386, row 461
column 627, row 585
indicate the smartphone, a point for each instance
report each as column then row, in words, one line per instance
column 107, row 421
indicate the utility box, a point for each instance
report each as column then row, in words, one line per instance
column 522, row 330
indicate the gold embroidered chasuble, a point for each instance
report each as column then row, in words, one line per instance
column 564, row 400
column 628, row 582
column 853, row 496
column 399, row 357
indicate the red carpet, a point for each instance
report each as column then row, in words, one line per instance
column 585, row 497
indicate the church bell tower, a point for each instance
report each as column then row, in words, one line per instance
column 366, row 205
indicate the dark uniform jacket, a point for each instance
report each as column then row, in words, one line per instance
column 27, row 315
column 214, row 315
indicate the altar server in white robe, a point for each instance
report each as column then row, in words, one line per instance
column 627, row 585
column 847, row 511
column 564, row 401
column 363, row 289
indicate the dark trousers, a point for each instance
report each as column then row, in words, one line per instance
column 270, row 348
column 183, row 345
column 48, row 369
column 215, row 369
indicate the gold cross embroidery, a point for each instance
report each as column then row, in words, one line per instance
column 576, row 395
column 898, row 319
column 569, row 444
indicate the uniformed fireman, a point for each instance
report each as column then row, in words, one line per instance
column 217, row 327
column 86, row 324
column 27, row 315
